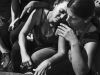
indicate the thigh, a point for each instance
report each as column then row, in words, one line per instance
column 42, row 54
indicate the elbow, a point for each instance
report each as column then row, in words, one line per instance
column 21, row 36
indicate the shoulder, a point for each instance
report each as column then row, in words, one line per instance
column 91, row 36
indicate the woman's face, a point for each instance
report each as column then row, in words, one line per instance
column 59, row 12
column 74, row 20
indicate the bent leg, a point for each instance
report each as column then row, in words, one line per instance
column 16, row 57
column 42, row 55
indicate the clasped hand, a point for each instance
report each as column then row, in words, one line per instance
column 66, row 32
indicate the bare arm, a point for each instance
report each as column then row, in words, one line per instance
column 15, row 9
column 15, row 13
column 90, row 48
column 46, row 64
column 32, row 20
column 61, row 52
column 34, row 4
column 79, row 64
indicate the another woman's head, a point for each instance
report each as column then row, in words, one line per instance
column 59, row 11
column 80, row 11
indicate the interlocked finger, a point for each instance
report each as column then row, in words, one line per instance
column 60, row 32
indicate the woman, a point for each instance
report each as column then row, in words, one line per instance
column 43, row 50
column 80, row 32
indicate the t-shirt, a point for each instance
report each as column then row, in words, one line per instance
column 91, row 35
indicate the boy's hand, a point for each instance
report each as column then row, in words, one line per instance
column 28, row 8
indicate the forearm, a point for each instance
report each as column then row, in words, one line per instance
column 15, row 9
column 22, row 42
column 76, row 52
column 56, row 58
column 79, row 65
column 60, row 54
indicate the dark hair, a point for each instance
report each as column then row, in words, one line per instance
column 82, row 8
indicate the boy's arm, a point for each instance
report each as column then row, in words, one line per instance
column 34, row 4
column 15, row 9
column 24, row 32
column 15, row 12
column 61, row 52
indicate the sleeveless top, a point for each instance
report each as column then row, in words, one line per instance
column 42, row 37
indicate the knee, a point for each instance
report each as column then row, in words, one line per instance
column 35, row 59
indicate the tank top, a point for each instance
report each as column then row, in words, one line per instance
column 45, row 39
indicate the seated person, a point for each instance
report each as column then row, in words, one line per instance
column 46, row 49
column 81, row 34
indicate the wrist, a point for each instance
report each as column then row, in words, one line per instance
column 75, row 42
column 49, row 63
column 23, row 53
